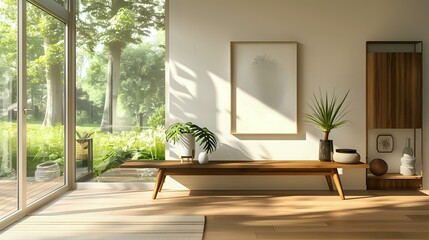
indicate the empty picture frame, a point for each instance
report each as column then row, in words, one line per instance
column 263, row 88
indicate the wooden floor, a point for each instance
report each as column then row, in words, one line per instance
column 266, row 215
column 107, row 227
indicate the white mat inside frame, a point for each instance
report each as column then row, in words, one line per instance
column 107, row 227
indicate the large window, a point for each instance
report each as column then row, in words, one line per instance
column 120, row 87
column 8, row 106
column 45, row 140
column 33, row 104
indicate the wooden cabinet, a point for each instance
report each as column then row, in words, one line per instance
column 394, row 90
column 394, row 103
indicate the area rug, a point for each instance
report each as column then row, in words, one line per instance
column 107, row 227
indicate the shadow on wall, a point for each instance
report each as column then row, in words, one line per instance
column 193, row 100
column 227, row 152
column 194, row 97
column 190, row 101
column 203, row 97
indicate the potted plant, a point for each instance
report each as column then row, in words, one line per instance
column 187, row 134
column 327, row 114
column 83, row 148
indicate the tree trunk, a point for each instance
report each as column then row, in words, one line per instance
column 110, row 119
column 54, row 99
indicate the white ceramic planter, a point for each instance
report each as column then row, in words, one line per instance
column 47, row 171
column 187, row 144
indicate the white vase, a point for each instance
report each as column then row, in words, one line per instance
column 187, row 144
column 408, row 161
column 408, row 165
column 407, row 149
column 203, row 158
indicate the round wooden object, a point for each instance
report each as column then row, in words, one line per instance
column 378, row 167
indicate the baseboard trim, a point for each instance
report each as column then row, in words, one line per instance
column 115, row 186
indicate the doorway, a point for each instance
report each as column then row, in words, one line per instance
column 34, row 105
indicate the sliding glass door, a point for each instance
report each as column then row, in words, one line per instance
column 44, row 109
column 8, row 107
column 35, row 62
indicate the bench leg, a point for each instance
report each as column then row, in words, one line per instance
column 337, row 182
column 162, row 182
column 329, row 181
column 158, row 183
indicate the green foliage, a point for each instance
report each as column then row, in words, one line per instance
column 122, row 22
column 202, row 135
column 117, row 23
column 45, row 47
column 175, row 131
column 157, row 119
column 142, row 88
column 94, row 81
column 90, row 87
column 109, row 150
column 43, row 144
column 328, row 112
column 114, row 148
column 8, row 133
column 8, row 32
column 8, row 53
column 142, row 72
column 83, row 135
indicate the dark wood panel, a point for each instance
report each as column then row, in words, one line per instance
column 391, row 184
column 394, row 90
column 394, row 176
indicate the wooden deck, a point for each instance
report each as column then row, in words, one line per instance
column 8, row 188
column 35, row 190
column 127, row 175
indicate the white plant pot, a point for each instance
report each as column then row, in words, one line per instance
column 203, row 158
column 47, row 171
column 408, row 165
column 187, row 145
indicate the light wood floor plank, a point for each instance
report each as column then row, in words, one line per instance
column 333, row 236
column 107, row 226
column 246, row 215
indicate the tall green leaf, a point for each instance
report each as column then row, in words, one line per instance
column 327, row 112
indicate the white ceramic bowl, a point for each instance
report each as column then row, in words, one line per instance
column 346, row 157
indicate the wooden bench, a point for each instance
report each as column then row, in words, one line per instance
column 255, row 167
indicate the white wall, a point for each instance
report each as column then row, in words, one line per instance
column 331, row 55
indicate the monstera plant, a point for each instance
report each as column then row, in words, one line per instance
column 187, row 134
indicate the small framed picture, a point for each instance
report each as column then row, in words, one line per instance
column 384, row 143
